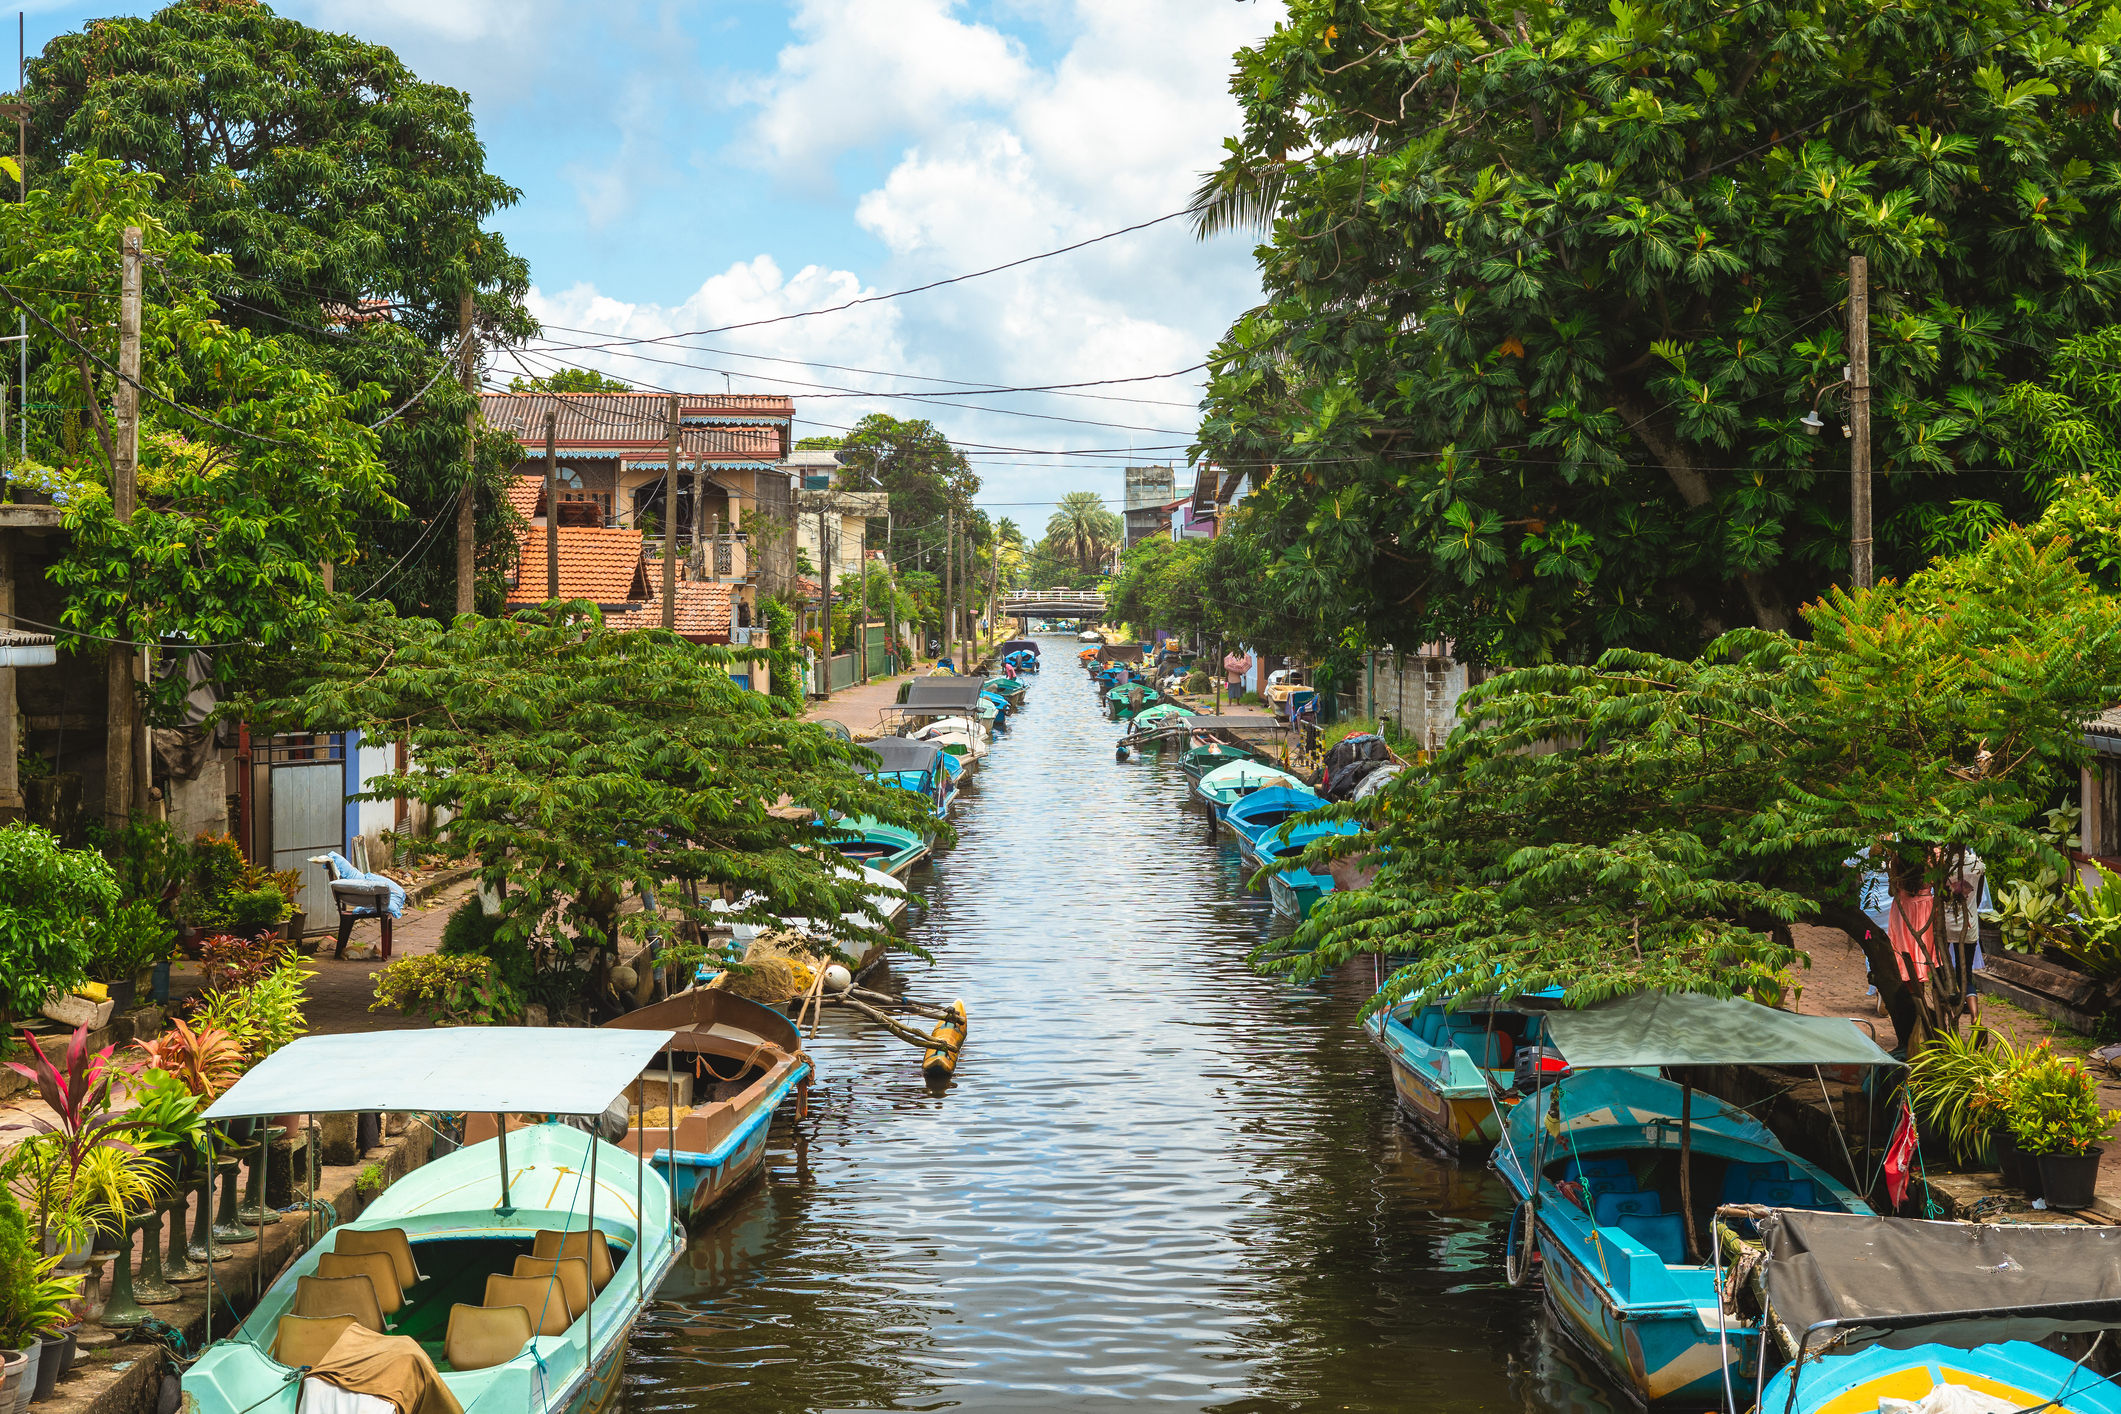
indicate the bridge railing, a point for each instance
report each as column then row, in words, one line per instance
column 1053, row 596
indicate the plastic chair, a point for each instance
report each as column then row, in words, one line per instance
column 1607, row 1209
column 1597, row 1168
column 1662, row 1233
column 480, row 1337
column 339, row 1296
column 552, row 1243
column 1783, row 1193
column 573, row 1273
column 391, row 1240
column 542, row 1297
column 1491, row 1051
column 304, row 1340
column 376, row 1266
column 1618, row 1183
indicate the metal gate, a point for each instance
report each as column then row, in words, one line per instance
column 306, row 812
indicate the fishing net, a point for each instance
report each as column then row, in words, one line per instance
column 778, row 967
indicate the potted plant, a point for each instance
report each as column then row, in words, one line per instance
column 48, row 895
column 128, row 942
column 1959, row 1086
column 455, row 990
column 77, row 1176
column 34, row 1303
column 2054, row 1115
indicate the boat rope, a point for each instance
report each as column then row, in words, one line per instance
column 1569, row 1137
column 2064, row 1392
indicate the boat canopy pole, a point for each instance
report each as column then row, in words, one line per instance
column 507, row 1209
column 1686, row 1166
column 670, row 1113
column 640, row 1185
column 589, row 1242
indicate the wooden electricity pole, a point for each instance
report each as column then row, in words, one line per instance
column 949, row 614
column 824, row 569
column 552, row 503
column 670, row 525
column 1862, row 566
column 122, row 791
column 468, row 499
column 864, row 639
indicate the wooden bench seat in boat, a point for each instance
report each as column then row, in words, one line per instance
column 543, row 1297
column 381, row 1272
column 551, row 1243
column 573, row 1273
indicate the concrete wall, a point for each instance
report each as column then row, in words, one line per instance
column 1420, row 692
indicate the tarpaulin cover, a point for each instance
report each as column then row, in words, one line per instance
column 1016, row 643
column 1990, row 1282
column 458, row 1069
column 902, row 754
column 386, row 1367
column 1686, row 1028
column 1121, row 653
column 947, row 692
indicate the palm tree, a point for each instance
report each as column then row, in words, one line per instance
column 1085, row 527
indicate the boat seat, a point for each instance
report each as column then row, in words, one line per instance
column 553, row 1243
column 1783, row 1193
column 351, row 1241
column 339, row 1296
column 542, row 1297
column 1489, row 1052
column 376, row 1266
column 1623, row 1183
column 1662, row 1233
column 303, row 1340
column 1738, row 1179
column 1607, row 1209
column 573, row 1273
column 480, row 1337
column 1433, row 1029
column 1597, row 1168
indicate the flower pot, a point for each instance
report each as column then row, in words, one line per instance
column 296, row 925
column 51, row 1363
column 13, row 1366
column 33, row 1357
column 105, row 1242
column 160, row 974
column 2016, row 1166
column 122, row 995
column 71, row 1259
column 2070, row 1180
column 70, row 1347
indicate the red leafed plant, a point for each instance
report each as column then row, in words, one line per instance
column 230, row 961
column 207, row 1060
column 78, row 1093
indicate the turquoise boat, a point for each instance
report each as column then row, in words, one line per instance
column 1296, row 891
column 505, row 1274
column 1869, row 1310
column 868, row 840
column 1253, row 818
column 1224, row 786
column 918, row 766
column 1455, row 1071
column 1008, row 688
column 1199, row 760
column 1600, row 1161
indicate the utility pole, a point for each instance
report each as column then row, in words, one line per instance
column 949, row 606
column 468, row 498
column 121, row 791
column 552, row 503
column 1862, row 566
column 824, row 569
column 670, row 525
column 864, row 649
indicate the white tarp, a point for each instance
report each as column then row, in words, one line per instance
column 454, row 1069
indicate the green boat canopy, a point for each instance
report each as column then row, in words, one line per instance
column 1686, row 1028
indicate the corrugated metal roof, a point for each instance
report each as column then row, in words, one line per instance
column 641, row 421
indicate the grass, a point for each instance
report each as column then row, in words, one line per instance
column 1346, row 727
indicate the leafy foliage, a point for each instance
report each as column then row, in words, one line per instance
column 578, row 764
column 348, row 201
column 1548, row 290
column 570, row 380
column 132, row 937
column 207, row 1060
column 463, row 988
column 1651, row 823
column 1082, row 529
column 48, row 897
column 2054, row 1106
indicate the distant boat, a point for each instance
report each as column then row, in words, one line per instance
column 744, row 1060
column 890, row 848
column 1222, row 787
column 1201, row 759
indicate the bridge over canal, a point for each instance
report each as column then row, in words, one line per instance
column 1085, row 604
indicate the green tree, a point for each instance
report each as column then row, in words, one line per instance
column 569, row 380
column 350, row 200
column 1648, row 823
column 1549, row 291
column 254, row 469
column 580, row 766
column 927, row 477
column 1082, row 528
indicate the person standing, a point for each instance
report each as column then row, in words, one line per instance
column 1235, row 666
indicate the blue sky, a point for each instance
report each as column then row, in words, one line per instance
column 692, row 165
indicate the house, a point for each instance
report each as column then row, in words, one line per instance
column 1216, row 491
column 826, row 508
column 610, row 567
column 1151, row 491
column 613, row 458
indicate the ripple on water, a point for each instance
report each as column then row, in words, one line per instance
column 1159, row 1176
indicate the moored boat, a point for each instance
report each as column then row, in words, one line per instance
column 1455, row 1071
column 1296, row 891
column 507, row 1273
column 744, row 1060
column 1252, row 818
column 1222, row 787
column 869, row 841
column 1619, row 1172
column 918, row 766
column 1207, row 756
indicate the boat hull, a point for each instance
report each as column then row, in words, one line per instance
column 2023, row 1376
column 1294, row 896
column 1460, row 1118
column 706, row 1180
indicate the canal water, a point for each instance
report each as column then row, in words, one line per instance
column 1157, row 1176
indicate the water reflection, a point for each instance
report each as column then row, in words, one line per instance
column 1156, row 1177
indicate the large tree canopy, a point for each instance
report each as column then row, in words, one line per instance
column 1651, row 823
column 350, row 199
column 1550, row 288
column 927, row 478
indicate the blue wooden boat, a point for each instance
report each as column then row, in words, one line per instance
column 1867, row 1310
column 1124, row 700
column 1296, row 891
column 745, row 1060
column 422, row 1291
column 1222, row 787
column 919, row 766
column 1454, row 1071
column 1597, row 1162
column 1252, row 818
column 1010, row 690
column 1206, row 757
column 868, row 840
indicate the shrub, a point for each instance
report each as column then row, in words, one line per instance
column 133, row 937
column 2054, row 1106
column 48, row 895
column 462, row 988
column 472, row 932
column 232, row 962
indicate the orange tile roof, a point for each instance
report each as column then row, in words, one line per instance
column 602, row 565
column 703, row 614
column 524, row 493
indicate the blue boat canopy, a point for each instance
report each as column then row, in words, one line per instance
column 1687, row 1028
column 454, row 1070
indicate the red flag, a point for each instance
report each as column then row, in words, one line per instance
column 1900, row 1155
